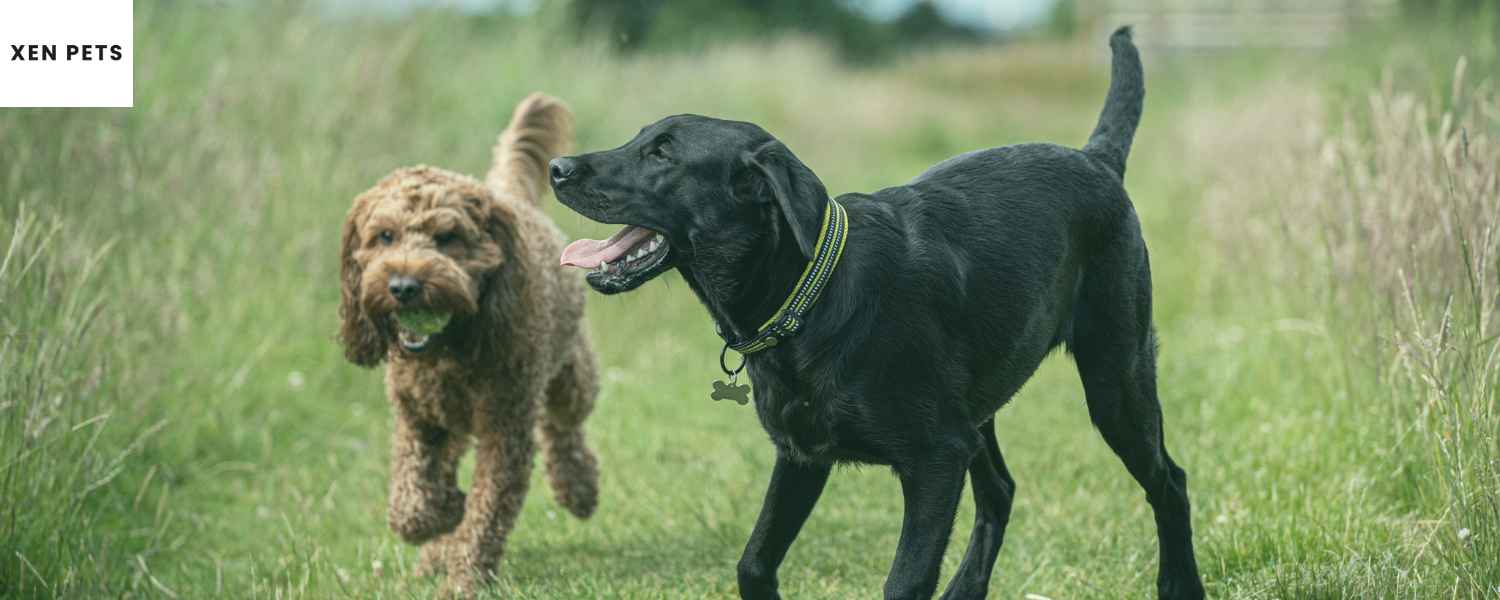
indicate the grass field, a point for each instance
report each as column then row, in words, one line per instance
column 177, row 421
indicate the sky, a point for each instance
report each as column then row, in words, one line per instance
column 986, row 14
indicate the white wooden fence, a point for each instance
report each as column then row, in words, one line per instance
column 1209, row 24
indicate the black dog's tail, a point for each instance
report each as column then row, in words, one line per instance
column 1122, row 107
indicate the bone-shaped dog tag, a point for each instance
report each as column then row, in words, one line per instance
column 737, row 392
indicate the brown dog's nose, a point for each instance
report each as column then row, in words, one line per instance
column 405, row 289
column 561, row 169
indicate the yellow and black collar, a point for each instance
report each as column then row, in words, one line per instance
column 787, row 320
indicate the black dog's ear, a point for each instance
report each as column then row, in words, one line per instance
column 798, row 192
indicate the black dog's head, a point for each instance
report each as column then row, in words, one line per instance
column 690, row 191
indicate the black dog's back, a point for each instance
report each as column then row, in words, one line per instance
column 993, row 245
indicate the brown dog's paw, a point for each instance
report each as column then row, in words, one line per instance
column 456, row 589
column 427, row 515
column 464, row 579
column 434, row 558
column 575, row 482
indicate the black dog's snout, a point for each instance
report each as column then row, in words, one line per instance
column 405, row 289
column 562, row 168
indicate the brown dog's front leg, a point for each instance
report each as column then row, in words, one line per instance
column 794, row 490
column 502, row 472
column 425, row 501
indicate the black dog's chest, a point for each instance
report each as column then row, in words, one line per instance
column 807, row 424
column 790, row 415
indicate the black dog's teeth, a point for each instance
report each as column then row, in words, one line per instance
column 645, row 249
column 634, row 256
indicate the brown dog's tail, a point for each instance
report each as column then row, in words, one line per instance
column 540, row 129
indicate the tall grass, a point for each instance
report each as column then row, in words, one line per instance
column 1394, row 212
column 60, row 435
column 1443, row 183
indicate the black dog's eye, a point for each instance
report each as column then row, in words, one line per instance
column 659, row 152
column 445, row 238
column 386, row 237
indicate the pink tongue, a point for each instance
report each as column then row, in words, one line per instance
column 587, row 254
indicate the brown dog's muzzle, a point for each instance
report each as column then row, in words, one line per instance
column 423, row 282
column 429, row 282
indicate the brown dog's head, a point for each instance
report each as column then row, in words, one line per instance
column 425, row 249
column 420, row 245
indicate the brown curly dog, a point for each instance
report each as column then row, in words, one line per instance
column 513, row 356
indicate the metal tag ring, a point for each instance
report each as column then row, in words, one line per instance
column 725, row 367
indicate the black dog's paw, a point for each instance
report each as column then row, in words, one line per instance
column 1179, row 588
column 757, row 582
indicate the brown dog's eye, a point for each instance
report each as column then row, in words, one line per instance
column 445, row 238
column 386, row 237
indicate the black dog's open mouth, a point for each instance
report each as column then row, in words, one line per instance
column 623, row 262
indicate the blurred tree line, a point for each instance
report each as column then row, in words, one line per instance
column 1447, row 9
column 633, row 25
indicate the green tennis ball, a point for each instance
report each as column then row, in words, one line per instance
column 422, row 321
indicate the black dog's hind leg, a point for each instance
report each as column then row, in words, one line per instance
column 1124, row 409
column 931, row 491
column 1116, row 352
column 994, row 490
column 794, row 490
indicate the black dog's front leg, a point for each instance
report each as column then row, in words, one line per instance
column 794, row 490
column 931, row 493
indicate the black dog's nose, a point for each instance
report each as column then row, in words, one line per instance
column 562, row 168
column 405, row 289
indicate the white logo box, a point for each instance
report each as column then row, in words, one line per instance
column 72, row 53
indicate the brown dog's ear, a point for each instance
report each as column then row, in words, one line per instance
column 363, row 343
column 502, row 288
column 798, row 192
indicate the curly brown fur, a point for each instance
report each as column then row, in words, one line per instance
column 513, row 360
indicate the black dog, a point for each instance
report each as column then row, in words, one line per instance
column 950, row 291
